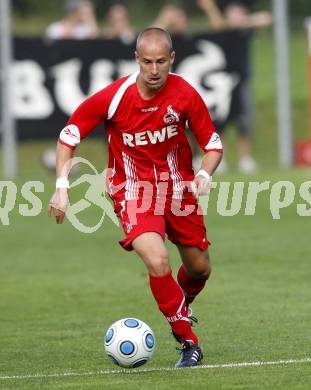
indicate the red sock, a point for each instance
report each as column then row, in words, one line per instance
column 190, row 285
column 171, row 302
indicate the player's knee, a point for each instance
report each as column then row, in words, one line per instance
column 206, row 271
column 202, row 272
column 159, row 265
column 201, row 268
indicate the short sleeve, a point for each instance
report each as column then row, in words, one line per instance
column 200, row 123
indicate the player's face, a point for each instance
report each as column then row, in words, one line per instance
column 154, row 62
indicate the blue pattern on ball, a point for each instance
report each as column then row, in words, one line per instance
column 131, row 323
column 127, row 347
column 149, row 340
column 109, row 335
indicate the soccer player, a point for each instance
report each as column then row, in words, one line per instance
column 145, row 116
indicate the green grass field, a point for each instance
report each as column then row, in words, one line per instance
column 61, row 289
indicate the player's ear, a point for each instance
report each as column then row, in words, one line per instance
column 136, row 57
column 172, row 57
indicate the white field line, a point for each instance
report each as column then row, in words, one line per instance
column 158, row 369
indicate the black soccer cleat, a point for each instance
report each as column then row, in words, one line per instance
column 190, row 355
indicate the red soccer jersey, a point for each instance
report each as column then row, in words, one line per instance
column 147, row 139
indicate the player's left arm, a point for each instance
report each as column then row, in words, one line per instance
column 201, row 183
column 203, row 128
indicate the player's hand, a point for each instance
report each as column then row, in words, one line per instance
column 201, row 184
column 59, row 204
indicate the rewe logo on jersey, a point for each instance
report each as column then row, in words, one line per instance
column 149, row 137
column 171, row 116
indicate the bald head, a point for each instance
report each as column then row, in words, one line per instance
column 155, row 55
column 155, row 36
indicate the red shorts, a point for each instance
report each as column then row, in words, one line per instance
column 186, row 228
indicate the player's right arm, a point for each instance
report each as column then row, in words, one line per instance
column 60, row 199
column 85, row 118
column 92, row 112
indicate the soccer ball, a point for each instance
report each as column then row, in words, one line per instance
column 129, row 342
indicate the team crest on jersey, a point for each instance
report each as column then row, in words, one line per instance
column 171, row 116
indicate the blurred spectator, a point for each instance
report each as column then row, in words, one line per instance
column 118, row 24
column 174, row 19
column 236, row 15
column 79, row 22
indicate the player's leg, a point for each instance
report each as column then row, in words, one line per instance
column 194, row 271
column 146, row 237
column 151, row 249
column 188, row 233
column 166, row 291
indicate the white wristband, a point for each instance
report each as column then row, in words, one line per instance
column 203, row 173
column 62, row 182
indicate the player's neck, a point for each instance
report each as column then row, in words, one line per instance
column 145, row 92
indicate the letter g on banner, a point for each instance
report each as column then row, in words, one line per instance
column 204, row 71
